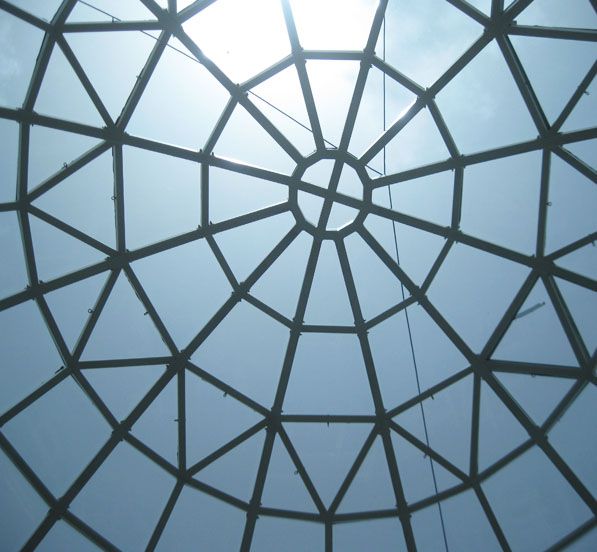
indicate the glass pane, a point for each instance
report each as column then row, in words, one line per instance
column 185, row 529
column 58, row 435
column 264, row 364
column 21, row 509
column 382, row 534
column 29, row 356
column 532, row 484
column 124, row 498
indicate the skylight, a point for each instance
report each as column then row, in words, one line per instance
column 298, row 275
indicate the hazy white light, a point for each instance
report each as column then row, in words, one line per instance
column 241, row 37
column 244, row 38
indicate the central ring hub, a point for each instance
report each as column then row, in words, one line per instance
column 329, row 193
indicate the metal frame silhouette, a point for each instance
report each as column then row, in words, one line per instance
column 551, row 141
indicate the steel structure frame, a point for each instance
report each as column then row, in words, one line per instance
column 113, row 136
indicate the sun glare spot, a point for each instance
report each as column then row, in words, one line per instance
column 242, row 38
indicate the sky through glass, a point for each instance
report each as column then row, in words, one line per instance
column 298, row 275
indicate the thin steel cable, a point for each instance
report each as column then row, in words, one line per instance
column 408, row 326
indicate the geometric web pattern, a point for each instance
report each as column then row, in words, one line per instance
column 335, row 296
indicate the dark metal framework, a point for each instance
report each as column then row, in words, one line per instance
column 113, row 136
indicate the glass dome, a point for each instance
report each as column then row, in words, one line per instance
column 298, row 275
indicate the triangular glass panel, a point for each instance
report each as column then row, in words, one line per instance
column 340, row 216
column 20, row 46
column 281, row 99
column 60, row 81
column 310, row 206
column 63, row 536
column 332, row 85
column 186, row 286
column 319, row 173
column 553, row 13
column 284, row 487
column 213, row 419
column 58, row 253
column 27, row 351
column 327, row 451
column 158, row 425
column 232, row 194
column 418, row 143
column 475, row 101
column 185, row 526
column 296, row 129
column 151, row 194
column 227, row 33
column 112, row 81
column 350, row 183
column 482, row 5
column 51, row 150
column 9, row 154
column 442, row 359
column 588, row 541
column 122, row 330
column 427, row 528
column 445, row 36
column 235, row 472
column 536, row 334
column 296, row 535
column 416, row 476
column 328, row 300
column 428, row 197
column 537, row 395
column 55, row 443
column 44, row 10
column 170, row 109
column 532, row 483
column 352, row 23
column 474, row 285
column 110, row 9
column 578, row 453
column 583, row 261
column 467, row 524
column 263, row 235
column 499, row 431
column 582, row 304
column 237, row 353
column 392, row 358
column 125, row 497
column 447, row 418
column 585, row 151
column 280, row 286
column 584, row 115
column 122, row 388
column 84, row 200
column 371, row 489
column 417, row 249
column 70, row 304
column 21, row 508
column 569, row 61
column 331, row 366
column 377, row 287
column 369, row 123
column 261, row 150
column 13, row 276
column 572, row 203
column 385, row 533
column 500, row 201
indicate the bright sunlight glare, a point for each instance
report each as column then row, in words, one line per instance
column 244, row 38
